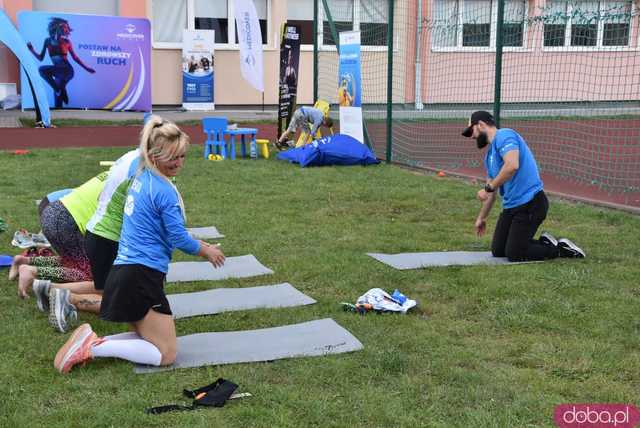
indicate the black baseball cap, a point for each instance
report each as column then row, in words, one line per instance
column 476, row 117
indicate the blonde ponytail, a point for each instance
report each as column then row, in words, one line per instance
column 161, row 139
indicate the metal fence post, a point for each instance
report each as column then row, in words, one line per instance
column 315, row 50
column 390, row 82
column 498, row 76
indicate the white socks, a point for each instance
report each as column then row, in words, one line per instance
column 128, row 346
column 123, row 336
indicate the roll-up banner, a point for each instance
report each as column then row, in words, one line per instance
column 289, row 60
column 197, row 69
column 349, row 87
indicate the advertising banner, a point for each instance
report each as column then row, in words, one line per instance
column 89, row 61
column 289, row 60
column 349, row 86
column 250, row 42
column 197, row 69
column 10, row 37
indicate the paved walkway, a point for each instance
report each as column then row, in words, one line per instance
column 9, row 118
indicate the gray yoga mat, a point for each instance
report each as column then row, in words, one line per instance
column 234, row 267
column 308, row 339
column 204, row 232
column 404, row 261
column 219, row 300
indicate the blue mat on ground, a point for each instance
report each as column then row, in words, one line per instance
column 307, row 339
column 338, row 149
column 5, row 261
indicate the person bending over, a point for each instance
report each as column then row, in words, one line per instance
column 512, row 171
column 305, row 119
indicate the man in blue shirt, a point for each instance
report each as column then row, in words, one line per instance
column 512, row 170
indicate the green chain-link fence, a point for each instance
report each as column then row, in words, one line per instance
column 567, row 75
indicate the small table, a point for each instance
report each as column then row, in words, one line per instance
column 242, row 132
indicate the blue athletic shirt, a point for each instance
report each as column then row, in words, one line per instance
column 526, row 182
column 153, row 224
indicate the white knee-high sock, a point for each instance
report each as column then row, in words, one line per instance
column 135, row 350
column 123, row 336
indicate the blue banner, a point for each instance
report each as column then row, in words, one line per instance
column 349, row 86
column 197, row 69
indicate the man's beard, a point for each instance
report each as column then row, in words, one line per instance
column 482, row 140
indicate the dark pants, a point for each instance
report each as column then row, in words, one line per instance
column 513, row 237
column 57, row 76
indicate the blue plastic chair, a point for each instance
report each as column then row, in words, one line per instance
column 215, row 128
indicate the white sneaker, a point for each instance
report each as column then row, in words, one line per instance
column 41, row 291
column 569, row 249
column 22, row 239
column 548, row 239
column 39, row 240
column 62, row 314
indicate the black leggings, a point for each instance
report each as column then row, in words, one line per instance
column 57, row 76
column 513, row 237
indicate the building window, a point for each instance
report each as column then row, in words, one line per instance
column 471, row 23
column 513, row 25
column 212, row 15
column 171, row 17
column 373, row 22
column 587, row 23
column 342, row 16
column 476, row 23
column 370, row 17
column 261, row 11
column 300, row 13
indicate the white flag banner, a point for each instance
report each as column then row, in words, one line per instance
column 250, row 39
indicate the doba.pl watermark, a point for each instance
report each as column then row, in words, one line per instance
column 595, row 415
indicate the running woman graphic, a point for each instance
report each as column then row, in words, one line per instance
column 59, row 47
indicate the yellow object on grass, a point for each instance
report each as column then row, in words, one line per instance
column 263, row 147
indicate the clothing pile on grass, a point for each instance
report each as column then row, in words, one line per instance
column 378, row 300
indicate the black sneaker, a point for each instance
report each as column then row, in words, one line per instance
column 548, row 239
column 569, row 249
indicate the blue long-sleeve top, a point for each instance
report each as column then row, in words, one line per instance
column 153, row 224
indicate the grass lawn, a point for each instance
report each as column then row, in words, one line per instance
column 487, row 346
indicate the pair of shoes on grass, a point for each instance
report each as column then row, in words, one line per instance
column 566, row 247
column 24, row 239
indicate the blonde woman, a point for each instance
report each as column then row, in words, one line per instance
column 153, row 225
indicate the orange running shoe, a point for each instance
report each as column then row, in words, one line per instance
column 77, row 349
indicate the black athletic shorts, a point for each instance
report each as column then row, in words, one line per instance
column 101, row 252
column 130, row 291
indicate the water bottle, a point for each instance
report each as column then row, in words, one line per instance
column 253, row 149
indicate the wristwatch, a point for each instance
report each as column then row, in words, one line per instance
column 489, row 188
